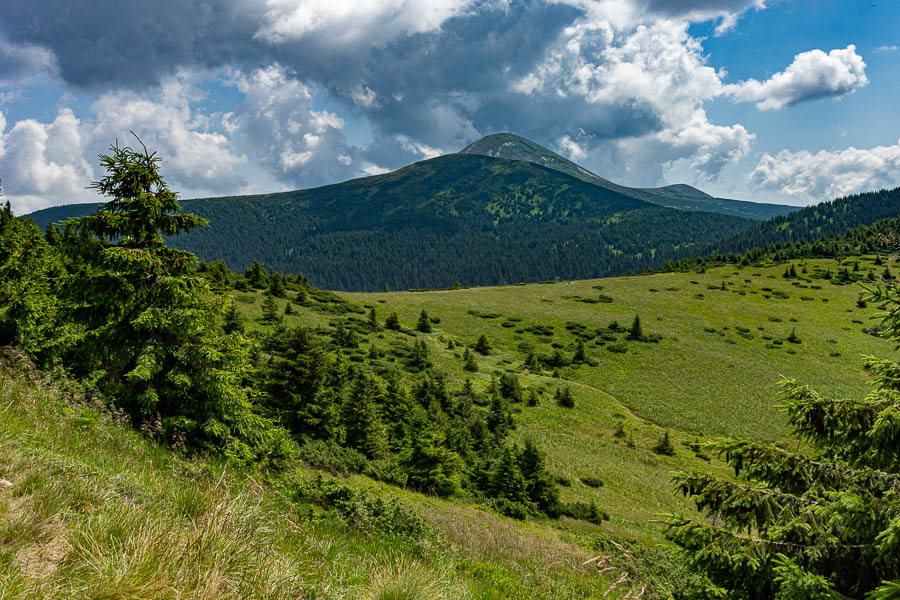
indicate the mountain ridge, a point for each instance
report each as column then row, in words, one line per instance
column 680, row 195
column 462, row 218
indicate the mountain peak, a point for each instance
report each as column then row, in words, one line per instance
column 682, row 196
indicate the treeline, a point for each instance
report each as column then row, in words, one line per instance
column 106, row 303
column 859, row 240
column 821, row 221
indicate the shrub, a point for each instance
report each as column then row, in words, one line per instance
column 585, row 511
column 664, row 446
column 483, row 346
column 392, row 322
column 593, row 482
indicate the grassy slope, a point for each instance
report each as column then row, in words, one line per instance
column 90, row 509
column 96, row 511
column 694, row 382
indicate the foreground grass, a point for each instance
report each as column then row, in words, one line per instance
column 91, row 509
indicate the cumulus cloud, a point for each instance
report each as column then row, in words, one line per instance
column 195, row 155
column 828, row 174
column 620, row 85
column 811, row 76
column 278, row 120
column 655, row 76
column 352, row 21
column 44, row 160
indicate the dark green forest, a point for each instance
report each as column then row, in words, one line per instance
column 823, row 220
column 460, row 218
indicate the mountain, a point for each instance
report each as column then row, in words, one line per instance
column 813, row 223
column 461, row 218
column 680, row 196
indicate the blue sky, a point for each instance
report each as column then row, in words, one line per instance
column 790, row 102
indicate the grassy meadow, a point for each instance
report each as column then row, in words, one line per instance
column 713, row 373
column 90, row 508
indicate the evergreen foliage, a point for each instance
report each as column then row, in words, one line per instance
column 469, row 362
column 489, row 219
column 795, row 525
column 28, row 268
column 636, row 332
column 482, row 346
column 424, row 323
column 392, row 322
column 664, row 445
column 148, row 326
column 270, row 308
column 564, row 397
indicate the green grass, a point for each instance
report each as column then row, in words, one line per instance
column 95, row 510
column 91, row 509
column 711, row 374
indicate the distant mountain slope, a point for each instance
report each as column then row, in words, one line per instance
column 681, row 196
column 812, row 223
column 457, row 218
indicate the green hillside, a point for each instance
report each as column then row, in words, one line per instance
column 713, row 372
column 680, row 196
column 814, row 223
column 457, row 218
column 90, row 508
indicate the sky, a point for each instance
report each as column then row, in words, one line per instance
column 791, row 101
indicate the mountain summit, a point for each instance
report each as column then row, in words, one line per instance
column 680, row 196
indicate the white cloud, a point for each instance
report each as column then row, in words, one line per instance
column 571, row 148
column 886, row 49
column 365, row 97
column 825, row 175
column 42, row 163
column 20, row 63
column 374, row 170
column 194, row 154
column 347, row 22
column 812, row 75
column 657, row 72
column 423, row 150
column 291, row 139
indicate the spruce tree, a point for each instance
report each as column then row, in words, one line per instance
column 469, row 362
column 149, row 326
column 507, row 480
column 303, row 386
column 392, row 322
column 363, row 430
column 565, row 398
column 424, row 324
column 579, row 356
column 636, row 332
column 483, row 346
column 29, row 268
column 256, row 276
column 373, row 319
column 824, row 524
column 270, row 309
column 541, row 487
column 664, row 445
column 431, row 465
column 233, row 321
